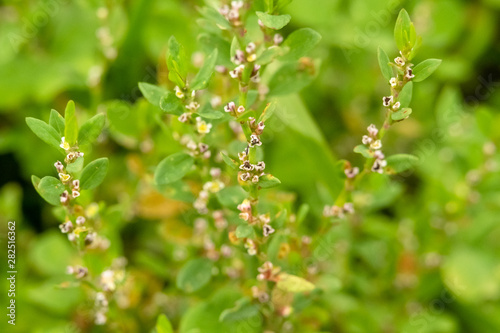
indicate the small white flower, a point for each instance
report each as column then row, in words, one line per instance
column 247, row 166
column 394, row 82
column 267, row 230
column 255, row 179
column 366, row 139
column 241, row 109
column 396, row 106
column 245, row 176
column 64, row 177
column 372, row 130
column 387, row 100
column 399, row 61
column 230, row 107
column 80, row 220
column 348, row 208
column 376, row 144
column 100, row 318
column 254, row 141
column 178, row 92
column 260, row 166
column 66, row 227
column 251, row 57
column 378, row 166
column 202, row 127
column 59, row 166
column 108, row 280
column 64, row 145
column 277, row 39
column 351, row 173
column 409, row 74
column 75, row 194
column 250, row 48
column 379, row 155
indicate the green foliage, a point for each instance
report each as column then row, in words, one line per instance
column 71, row 125
column 194, row 275
column 44, row 131
column 425, row 69
column 94, row 173
column 273, row 21
column 383, row 61
column 299, row 43
column 49, row 188
column 201, row 79
column 173, row 168
column 163, row 325
column 91, row 129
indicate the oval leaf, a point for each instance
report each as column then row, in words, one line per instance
column 300, row 42
column 293, row 284
column 402, row 30
column 274, row 21
column 423, row 70
column 57, row 121
column 173, row 168
column 194, row 274
column 44, row 131
column 91, row 129
column 71, row 125
column 268, row 181
column 93, row 174
column 163, row 325
column 50, row 189
column 243, row 309
column 201, row 79
column 401, row 114
column 401, row 162
column 383, row 62
column 406, row 94
column 152, row 93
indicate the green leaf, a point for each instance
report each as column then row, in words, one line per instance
column 268, row 111
column 363, row 150
column 231, row 196
column 243, row 309
column 229, row 161
column 177, row 63
column 49, row 188
column 383, row 62
column 91, row 129
column 93, row 174
column 406, row 94
column 402, row 31
column 71, row 125
column 235, row 45
column 195, row 274
column 302, row 213
column 57, row 121
column 169, row 103
column 290, row 78
column 173, row 168
column 152, row 93
column 269, row 55
column 401, row 114
column 293, row 284
column 201, row 79
column 76, row 166
column 268, row 181
column 163, row 325
column 44, row 131
column 207, row 112
column 300, row 42
column 274, row 21
column 213, row 15
column 244, row 231
column 423, row 70
column 400, row 162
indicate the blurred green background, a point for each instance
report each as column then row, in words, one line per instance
column 424, row 255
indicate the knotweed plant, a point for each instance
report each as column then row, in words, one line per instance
column 400, row 75
column 68, row 190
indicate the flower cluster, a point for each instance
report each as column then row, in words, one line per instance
column 337, row 211
column 250, row 172
column 232, row 13
column 375, row 146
